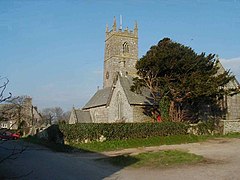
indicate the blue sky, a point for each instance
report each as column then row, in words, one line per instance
column 53, row 50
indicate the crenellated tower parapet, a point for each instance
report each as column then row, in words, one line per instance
column 119, row 31
column 121, row 52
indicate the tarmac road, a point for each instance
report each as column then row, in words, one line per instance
column 36, row 162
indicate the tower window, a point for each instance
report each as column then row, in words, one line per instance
column 107, row 75
column 125, row 47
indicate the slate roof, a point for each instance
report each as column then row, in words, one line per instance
column 103, row 96
column 100, row 98
column 134, row 98
column 82, row 116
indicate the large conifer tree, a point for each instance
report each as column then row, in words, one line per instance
column 191, row 83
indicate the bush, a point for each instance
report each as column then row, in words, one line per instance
column 209, row 127
column 85, row 132
column 206, row 127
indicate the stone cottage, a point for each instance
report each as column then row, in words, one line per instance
column 116, row 102
column 20, row 115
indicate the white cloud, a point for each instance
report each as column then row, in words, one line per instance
column 233, row 64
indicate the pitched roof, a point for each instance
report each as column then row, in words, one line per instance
column 134, row 98
column 100, row 98
column 232, row 84
column 83, row 116
column 103, row 96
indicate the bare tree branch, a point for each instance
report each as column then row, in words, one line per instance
column 3, row 87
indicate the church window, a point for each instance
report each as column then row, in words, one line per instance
column 119, row 106
column 125, row 47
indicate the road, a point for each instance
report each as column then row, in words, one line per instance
column 36, row 162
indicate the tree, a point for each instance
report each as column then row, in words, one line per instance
column 190, row 82
column 66, row 116
column 21, row 112
column 3, row 85
column 3, row 98
column 53, row 115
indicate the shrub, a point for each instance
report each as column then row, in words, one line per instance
column 204, row 128
column 83, row 132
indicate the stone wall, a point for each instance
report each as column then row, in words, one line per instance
column 51, row 134
column 99, row 114
column 119, row 107
column 233, row 107
column 73, row 118
column 231, row 126
column 139, row 116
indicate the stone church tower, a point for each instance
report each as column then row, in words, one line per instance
column 121, row 53
column 116, row 102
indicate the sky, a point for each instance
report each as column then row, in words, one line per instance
column 53, row 50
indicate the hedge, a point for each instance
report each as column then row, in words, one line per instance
column 83, row 132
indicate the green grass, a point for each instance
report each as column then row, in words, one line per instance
column 151, row 141
column 132, row 143
column 124, row 144
column 155, row 159
column 231, row 135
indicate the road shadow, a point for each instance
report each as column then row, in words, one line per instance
column 37, row 161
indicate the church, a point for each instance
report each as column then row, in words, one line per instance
column 116, row 102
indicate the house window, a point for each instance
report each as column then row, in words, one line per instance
column 3, row 125
column 125, row 48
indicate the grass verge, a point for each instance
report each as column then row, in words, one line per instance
column 132, row 143
column 124, row 144
column 154, row 159
column 151, row 141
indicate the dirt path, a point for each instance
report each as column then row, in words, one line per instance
column 223, row 162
